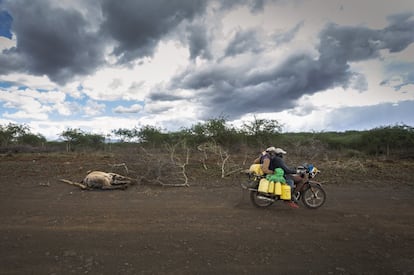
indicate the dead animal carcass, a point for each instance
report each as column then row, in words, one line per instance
column 102, row 180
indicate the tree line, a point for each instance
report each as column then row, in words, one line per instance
column 259, row 133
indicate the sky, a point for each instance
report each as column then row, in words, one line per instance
column 100, row 65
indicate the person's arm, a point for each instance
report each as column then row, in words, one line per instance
column 286, row 169
column 257, row 160
column 265, row 166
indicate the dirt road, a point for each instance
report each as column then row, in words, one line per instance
column 53, row 228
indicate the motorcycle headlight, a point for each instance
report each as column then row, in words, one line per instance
column 313, row 172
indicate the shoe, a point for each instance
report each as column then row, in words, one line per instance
column 292, row 204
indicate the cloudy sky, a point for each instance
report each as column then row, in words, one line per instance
column 99, row 65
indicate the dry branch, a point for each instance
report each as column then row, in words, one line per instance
column 179, row 163
column 233, row 172
column 223, row 157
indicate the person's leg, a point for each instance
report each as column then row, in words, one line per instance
column 292, row 203
column 299, row 181
column 291, row 181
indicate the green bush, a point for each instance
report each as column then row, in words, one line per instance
column 396, row 141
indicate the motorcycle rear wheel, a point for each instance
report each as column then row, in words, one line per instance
column 314, row 197
column 260, row 200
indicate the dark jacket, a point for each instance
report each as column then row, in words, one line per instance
column 278, row 162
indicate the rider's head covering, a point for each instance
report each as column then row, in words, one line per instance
column 280, row 151
column 276, row 151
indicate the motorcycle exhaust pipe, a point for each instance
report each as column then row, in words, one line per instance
column 265, row 198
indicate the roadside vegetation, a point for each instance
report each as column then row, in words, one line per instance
column 388, row 141
column 216, row 152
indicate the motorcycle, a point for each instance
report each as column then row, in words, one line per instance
column 311, row 193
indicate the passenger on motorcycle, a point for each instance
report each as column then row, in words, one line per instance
column 266, row 160
column 266, row 165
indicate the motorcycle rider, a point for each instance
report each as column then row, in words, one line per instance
column 292, row 178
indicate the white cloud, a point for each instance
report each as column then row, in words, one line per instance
column 135, row 82
column 25, row 115
column 67, row 108
column 30, row 104
column 135, row 108
column 26, row 80
column 93, row 108
column 6, row 43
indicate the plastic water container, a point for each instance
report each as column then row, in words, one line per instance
column 256, row 169
column 263, row 186
column 271, row 188
column 278, row 188
column 286, row 195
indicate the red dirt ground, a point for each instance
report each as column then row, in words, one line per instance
column 48, row 227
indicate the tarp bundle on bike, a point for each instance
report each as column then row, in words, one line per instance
column 278, row 176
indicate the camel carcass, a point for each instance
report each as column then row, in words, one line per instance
column 102, row 180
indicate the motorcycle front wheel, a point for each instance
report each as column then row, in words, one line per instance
column 313, row 197
column 260, row 200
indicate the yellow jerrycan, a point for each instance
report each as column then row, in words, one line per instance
column 271, row 188
column 278, row 188
column 263, row 186
column 286, row 195
column 256, row 169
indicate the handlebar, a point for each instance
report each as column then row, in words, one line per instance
column 308, row 169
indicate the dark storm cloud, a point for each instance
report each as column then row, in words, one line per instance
column 288, row 36
column 400, row 34
column 343, row 43
column 244, row 41
column 235, row 91
column 239, row 90
column 137, row 26
column 51, row 41
column 62, row 43
column 208, row 76
column 11, row 61
column 160, row 96
column 198, row 41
